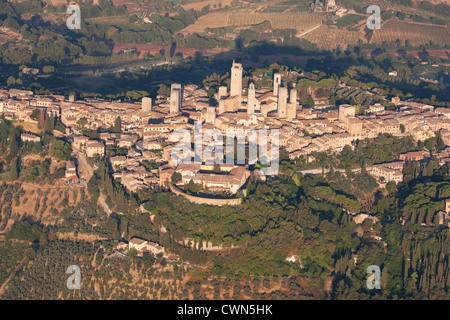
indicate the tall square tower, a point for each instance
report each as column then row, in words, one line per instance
column 175, row 97
column 236, row 80
column 276, row 83
column 251, row 99
column 146, row 104
column 282, row 102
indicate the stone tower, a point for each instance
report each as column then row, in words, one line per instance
column 236, row 80
column 175, row 97
column 293, row 96
column 276, row 83
column 251, row 99
column 282, row 102
column 210, row 115
column 221, row 106
column 222, row 92
column 146, row 104
column 346, row 111
column 291, row 111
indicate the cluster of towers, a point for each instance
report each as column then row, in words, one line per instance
column 285, row 109
column 281, row 100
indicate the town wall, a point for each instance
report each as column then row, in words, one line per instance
column 201, row 200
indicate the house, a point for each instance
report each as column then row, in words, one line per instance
column 173, row 258
column 393, row 73
column 388, row 174
column 165, row 176
column 118, row 161
column 137, row 244
column 127, row 140
column 30, row 71
column 414, row 156
column 155, row 248
column 142, row 246
column 441, row 218
column 94, row 147
column 30, row 137
column 71, row 171
column 80, row 141
column 131, row 182
column 376, row 108
column 230, row 179
column 122, row 245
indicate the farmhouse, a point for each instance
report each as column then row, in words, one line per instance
column 71, row 171
column 29, row 137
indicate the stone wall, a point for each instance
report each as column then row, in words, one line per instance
column 201, row 200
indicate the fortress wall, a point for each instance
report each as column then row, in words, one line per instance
column 211, row 201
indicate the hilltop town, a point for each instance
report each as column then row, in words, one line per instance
column 146, row 129
column 225, row 149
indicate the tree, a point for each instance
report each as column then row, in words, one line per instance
column 391, row 187
column 29, row 253
column 14, row 143
column 176, row 177
column 112, row 228
column 43, row 240
column 133, row 18
column 14, row 172
column 11, row 80
column 48, row 69
column 81, row 122
column 216, row 168
column 211, row 92
column 49, row 124
column 60, row 149
column 35, row 114
column 310, row 102
column 41, row 122
column 164, row 90
column 117, row 125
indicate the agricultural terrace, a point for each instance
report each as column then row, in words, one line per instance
column 327, row 37
column 416, row 34
column 301, row 21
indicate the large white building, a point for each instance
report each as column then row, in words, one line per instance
column 94, row 147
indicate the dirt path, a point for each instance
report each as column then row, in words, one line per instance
column 308, row 31
column 82, row 159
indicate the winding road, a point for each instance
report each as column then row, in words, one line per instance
column 82, row 159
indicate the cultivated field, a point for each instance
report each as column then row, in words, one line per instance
column 349, row 20
column 211, row 20
column 301, row 21
column 40, row 202
column 329, row 37
column 199, row 5
column 383, row 4
column 417, row 34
